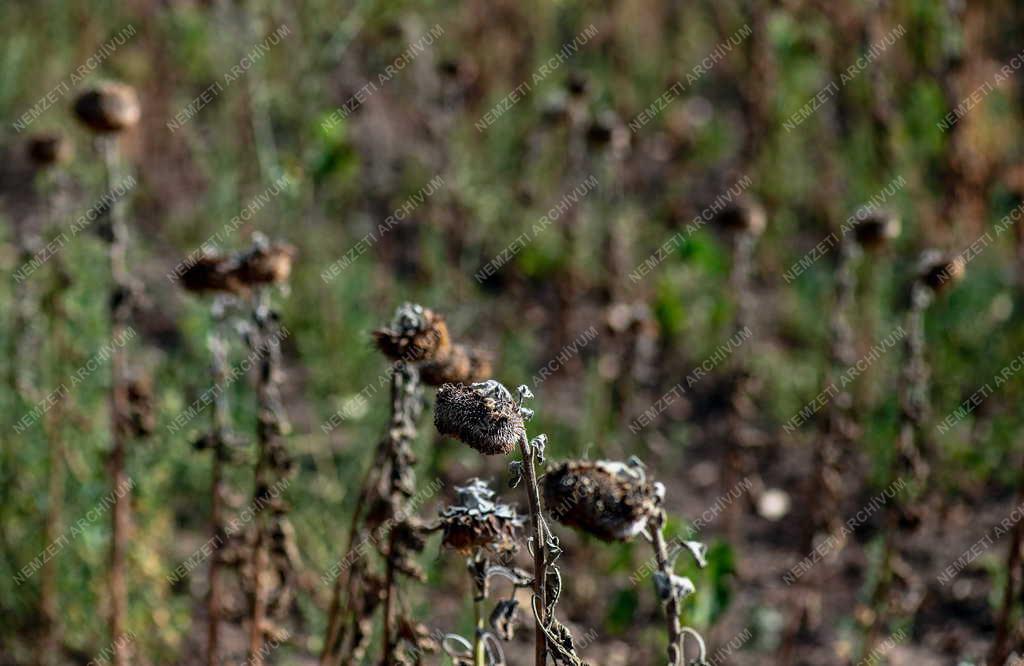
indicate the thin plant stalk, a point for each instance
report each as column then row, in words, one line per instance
column 393, row 458
column 266, row 344
column 539, row 547
column 406, row 401
column 824, row 489
column 389, row 591
column 479, row 647
column 221, row 427
column 739, row 281
column 331, row 653
column 908, row 459
column 119, row 313
column 673, row 625
column 1000, row 646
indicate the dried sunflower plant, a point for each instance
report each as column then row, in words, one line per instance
column 743, row 222
column 418, row 344
column 873, row 229
column 616, row 502
column 485, row 416
column 108, row 110
column 273, row 563
column 234, row 281
column 936, row 274
column 485, row 530
column 46, row 153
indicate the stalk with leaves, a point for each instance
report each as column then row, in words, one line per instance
column 208, row 274
column 936, row 273
column 108, row 110
column 272, row 565
column 616, row 502
column 419, row 346
column 485, row 416
column 743, row 222
column 485, row 530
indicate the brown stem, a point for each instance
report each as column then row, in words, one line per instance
column 267, row 434
column 221, row 426
column 259, row 600
column 909, row 458
column 539, row 547
column 389, row 586
column 673, row 626
column 331, row 652
column 732, row 453
column 120, row 515
column 1000, row 646
column 405, row 405
column 213, row 602
column 336, row 613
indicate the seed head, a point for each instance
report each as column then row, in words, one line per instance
column 610, row 500
column 266, row 263
column 211, row 272
column 476, row 520
column 875, row 227
column 940, row 271
column 109, row 107
column 45, row 150
column 744, row 215
column 483, row 415
column 461, row 365
column 415, row 334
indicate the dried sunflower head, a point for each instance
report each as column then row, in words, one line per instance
column 939, row 272
column 415, row 334
column 211, row 272
column 461, row 365
column 746, row 214
column 265, row 263
column 873, row 227
column 477, row 520
column 610, row 500
column 45, row 150
column 109, row 107
column 483, row 415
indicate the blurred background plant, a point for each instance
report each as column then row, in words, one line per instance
column 403, row 148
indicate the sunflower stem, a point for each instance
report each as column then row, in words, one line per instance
column 672, row 624
column 539, row 546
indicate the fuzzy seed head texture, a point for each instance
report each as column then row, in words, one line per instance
column 109, row 107
column 612, row 501
column 482, row 415
column 477, row 520
column 415, row 334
